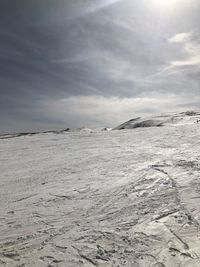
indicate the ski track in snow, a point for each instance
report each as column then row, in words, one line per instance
column 118, row 198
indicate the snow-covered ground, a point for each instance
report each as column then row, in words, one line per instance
column 102, row 198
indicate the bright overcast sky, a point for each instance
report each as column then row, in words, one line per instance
column 72, row 63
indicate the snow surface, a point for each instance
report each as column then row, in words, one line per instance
column 102, row 198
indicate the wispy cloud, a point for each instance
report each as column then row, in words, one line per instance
column 180, row 37
column 186, row 56
column 191, row 46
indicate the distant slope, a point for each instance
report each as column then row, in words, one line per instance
column 160, row 120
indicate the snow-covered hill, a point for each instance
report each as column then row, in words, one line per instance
column 102, row 198
column 161, row 120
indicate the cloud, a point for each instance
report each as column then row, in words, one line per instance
column 180, row 37
column 70, row 54
column 191, row 47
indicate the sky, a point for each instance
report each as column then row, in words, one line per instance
column 95, row 63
